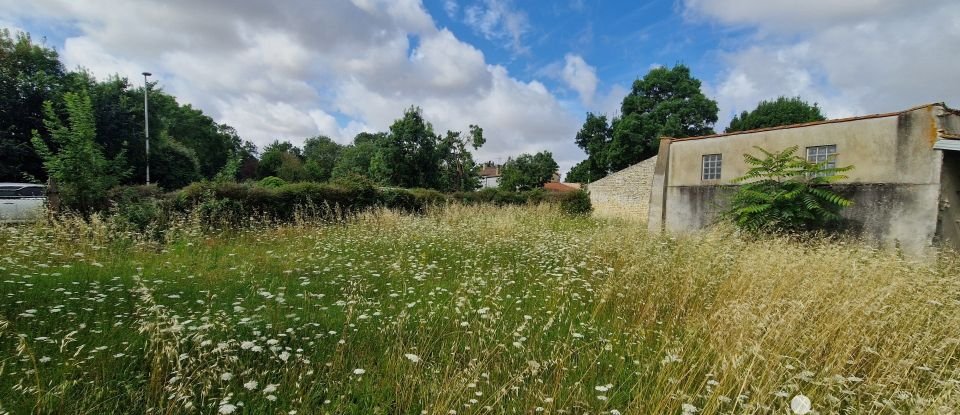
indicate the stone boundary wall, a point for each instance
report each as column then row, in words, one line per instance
column 624, row 194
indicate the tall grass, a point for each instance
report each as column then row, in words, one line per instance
column 467, row 310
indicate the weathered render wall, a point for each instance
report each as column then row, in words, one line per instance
column 624, row 194
column 895, row 184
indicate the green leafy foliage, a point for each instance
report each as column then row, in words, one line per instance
column 272, row 182
column 320, row 154
column 782, row 111
column 76, row 162
column 783, row 192
column 458, row 171
column 594, row 138
column 576, row 203
column 29, row 75
column 665, row 103
column 527, row 172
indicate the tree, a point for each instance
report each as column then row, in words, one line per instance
column 78, row 165
column 580, row 173
column 782, row 111
column 30, row 74
column 458, row 170
column 172, row 164
column 321, row 155
column 408, row 156
column 665, row 103
column 594, row 138
column 291, row 168
column 272, row 158
column 783, row 192
column 355, row 159
column 528, row 172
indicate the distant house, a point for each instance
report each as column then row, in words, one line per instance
column 904, row 184
column 490, row 175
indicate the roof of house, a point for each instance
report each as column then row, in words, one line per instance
column 490, row 171
column 559, row 187
column 808, row 124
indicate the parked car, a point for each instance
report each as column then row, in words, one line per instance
column 21, row 202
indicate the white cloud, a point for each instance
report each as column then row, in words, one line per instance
column 853, row 57
column 451, row 8
column 791, row 14
column 499, row 20
column 580, row 76
column 296, row 70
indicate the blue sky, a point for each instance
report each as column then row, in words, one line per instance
column 526, row 71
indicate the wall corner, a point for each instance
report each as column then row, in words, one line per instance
column 656, row 216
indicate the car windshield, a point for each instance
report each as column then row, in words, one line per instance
column 32, row 191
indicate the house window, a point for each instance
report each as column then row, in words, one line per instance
column 820, row 154
column 711, row 166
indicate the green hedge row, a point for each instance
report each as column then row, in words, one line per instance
column 235, row 202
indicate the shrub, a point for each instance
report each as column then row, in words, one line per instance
column 786, row 193
column 576, row 203
column 135, row 208
column 272, row 182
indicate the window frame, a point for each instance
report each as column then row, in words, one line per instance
column 829, row 155
column 713, row 171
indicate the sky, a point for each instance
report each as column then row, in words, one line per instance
column 526, row 71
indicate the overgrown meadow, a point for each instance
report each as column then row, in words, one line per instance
column 467, row 310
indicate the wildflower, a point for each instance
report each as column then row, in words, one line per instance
column 44, row 359
column 800, row 405
column 271, row 398
column 226, row 408
column 359, row 371
column 284, row 356
column 270, row 388
column 251, row 385
column 603, row 388
column 689, row 409
column 670, row 358
column 226, row 376
column 247, row 345
column 412, row 357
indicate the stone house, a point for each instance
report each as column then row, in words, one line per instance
column 904, row 183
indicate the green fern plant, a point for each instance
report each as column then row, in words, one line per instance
column 783, row 192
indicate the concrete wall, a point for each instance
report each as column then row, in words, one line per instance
column 624, row 194
column 895, row 184
column 949, row 219
column 891, row 149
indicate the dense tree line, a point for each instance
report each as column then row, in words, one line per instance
column 409, row 155
column 186, row 145
column 103, row 120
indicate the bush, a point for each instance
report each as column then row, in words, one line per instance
column 135, row 208
column 272, row 182
column 576, row 203
column 786, row 193
column 400, row 199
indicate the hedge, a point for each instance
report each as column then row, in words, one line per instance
column 232, row 203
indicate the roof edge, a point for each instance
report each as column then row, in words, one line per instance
column 809, row 124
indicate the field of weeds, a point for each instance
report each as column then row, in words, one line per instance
column 469, row 310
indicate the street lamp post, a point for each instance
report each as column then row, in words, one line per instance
column 146, row 121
